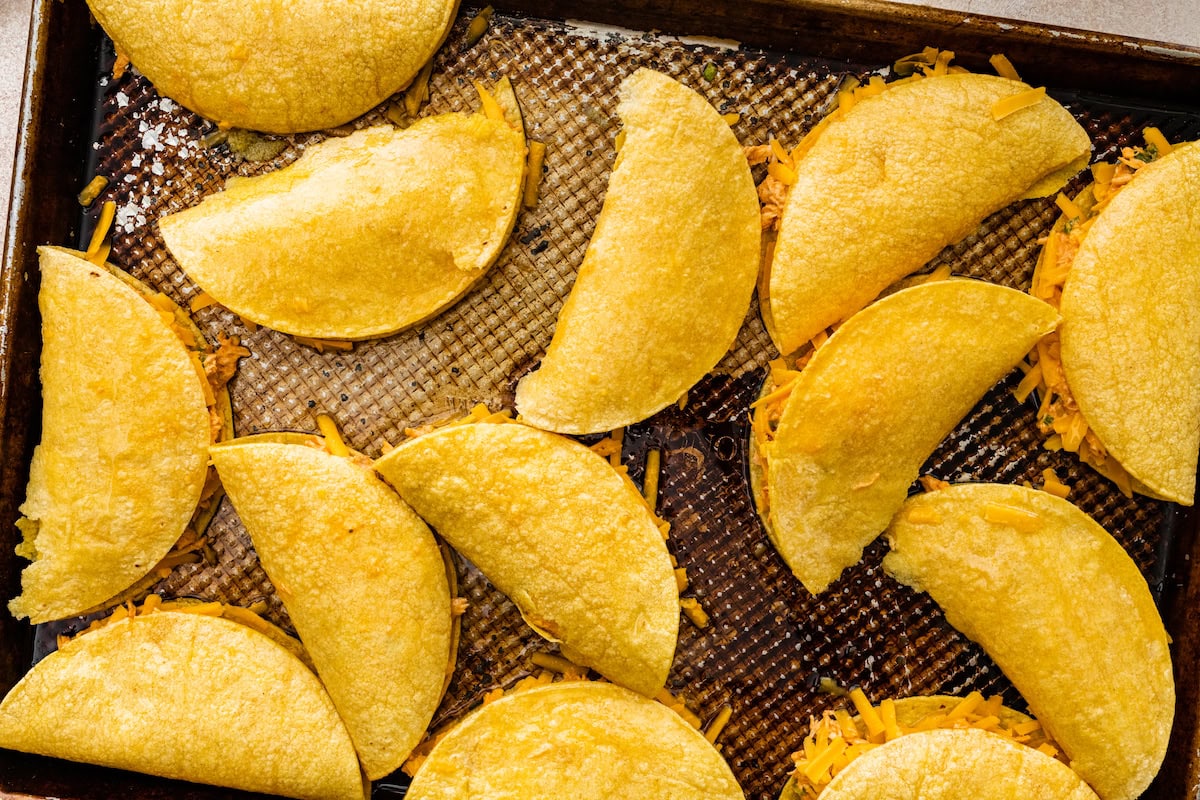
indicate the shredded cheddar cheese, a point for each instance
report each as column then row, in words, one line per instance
column 767, row 411
column 1004, row 514
column 1052, row 485
column 1154, row 138
column 837, row 739
column 692, row 609
column 491, row 109
column 1013, row 103
column 1058, row 416
column 201, row 300
column 333, row 437
column 1004, row 67
column 675, row 704
column 922, row 516
column 107, row 212
column 650, row 483
column 90, row 192
column 715, row 728
column 533, row 174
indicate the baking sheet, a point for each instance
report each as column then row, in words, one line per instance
column 769, row 643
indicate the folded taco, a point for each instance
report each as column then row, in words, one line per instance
column 1086, row 649
column 363, row 235
column 667, row 277
column 1117, row 384
column 930, row 748
column 269, row 67
column 896, row 173
column 361, row 577
column 251, row 714
column 132, row 396
column 584, row 740
column 835, row 446
column 557, row 529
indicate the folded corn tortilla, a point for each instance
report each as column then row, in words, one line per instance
column 363, row 235
column 900, row 176
column 249, row 714
column 124, row 449
column 1130, row 332
column 911, row 715
column 965, row 764
column 560, row 532
column 871, row 406
column 583, row 740
column 362, row 579
column 283, row 69
column 667, row 277
column 1060, row 607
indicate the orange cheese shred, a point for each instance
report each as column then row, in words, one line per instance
column 1014, row 103
column 1154, row 138
column 1004, row 67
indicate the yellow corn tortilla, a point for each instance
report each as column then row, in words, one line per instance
column 667, row 277
column 909, row 712
column 249, row 714
column 967, row 764
column 901, row 176
column 362, row 580
column 872, row 405
column 363, row 235
column 123, row 454
column 560, row 532
column 1062, row 610
column 583, row 740
column 1130, row 332
column 257, row 64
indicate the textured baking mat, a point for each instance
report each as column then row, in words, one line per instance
column 769, row 643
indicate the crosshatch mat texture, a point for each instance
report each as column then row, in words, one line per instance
column 769, row 644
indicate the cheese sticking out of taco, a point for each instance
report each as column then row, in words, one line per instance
column 128, row 413
column 1123, row 263
column 835, row 449
column 905, row 171
column 967, row 764
column 837, row 742
column 257, row 64
column 363, row 235
column 1087, row 650
column 253, row 716
column 584, row 740
column 667, row 277
column 362, row 580
column 559, row 531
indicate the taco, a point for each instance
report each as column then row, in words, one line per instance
column 667, row 277
column 253, row 716
column 132, row 397
column 584, row 740
column 953, row 748
column 1086, row 649
column 362, row 580
column 282, row 69
column 835, row 447
column 557, row 529
column 1121, row 263
column 898, row 172
column 363, row 235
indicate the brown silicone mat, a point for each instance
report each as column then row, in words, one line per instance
column 769, row 643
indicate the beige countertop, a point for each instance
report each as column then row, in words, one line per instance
column 1175, row 21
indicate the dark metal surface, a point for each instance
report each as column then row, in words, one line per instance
column 769, row 642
